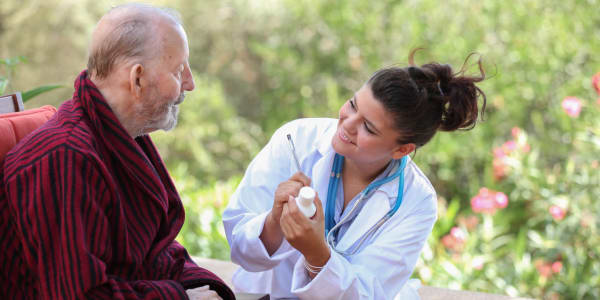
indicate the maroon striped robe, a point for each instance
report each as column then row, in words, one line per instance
column 89, row 212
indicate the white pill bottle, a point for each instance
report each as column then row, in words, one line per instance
column 305, row 201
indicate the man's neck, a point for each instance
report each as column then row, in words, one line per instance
column 118, row 104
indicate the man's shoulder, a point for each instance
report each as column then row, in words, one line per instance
column 66, row 132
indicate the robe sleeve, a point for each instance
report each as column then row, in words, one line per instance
column 72, row 233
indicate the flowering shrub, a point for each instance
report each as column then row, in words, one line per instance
column 488, row 201
column 536, row 234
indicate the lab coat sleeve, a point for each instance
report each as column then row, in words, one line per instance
column 378, row 271
column 252, row 201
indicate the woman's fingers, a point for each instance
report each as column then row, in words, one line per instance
column 300, row 177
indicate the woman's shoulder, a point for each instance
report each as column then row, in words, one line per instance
column 419, row 187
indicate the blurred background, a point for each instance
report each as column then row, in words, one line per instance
column 518, row 195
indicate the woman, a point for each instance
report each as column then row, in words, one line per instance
column 380, row 208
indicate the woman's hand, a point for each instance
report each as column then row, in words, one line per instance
column 304, row 234
column 202, row 293
column 271, row 236
column 288, row 188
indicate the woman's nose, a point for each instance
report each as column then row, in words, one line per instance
column 351, row 124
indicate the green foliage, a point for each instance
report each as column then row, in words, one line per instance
column 282, row 60
column 202, row 233
column 10, row 65
column 530, row 247
column 211, row 142
column 264, row 63
column 39, row 90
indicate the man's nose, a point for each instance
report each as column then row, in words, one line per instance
column 188, row 79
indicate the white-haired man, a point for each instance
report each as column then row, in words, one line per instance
column 88, row 207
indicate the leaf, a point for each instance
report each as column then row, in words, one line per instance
column 39, row 90
column 3, row 84
column 451, row 269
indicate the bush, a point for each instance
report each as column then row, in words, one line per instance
column 541, row 238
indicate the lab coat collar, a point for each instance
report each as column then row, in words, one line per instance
column 323, row 144
column 375, row 207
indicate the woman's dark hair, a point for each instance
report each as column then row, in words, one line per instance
column 428, row 98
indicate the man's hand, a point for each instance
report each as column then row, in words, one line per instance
column 202, row 293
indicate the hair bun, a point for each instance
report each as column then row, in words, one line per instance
column 460, row 95
column 426, row 99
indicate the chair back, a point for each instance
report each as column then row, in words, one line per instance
column 11, row 103
column 15, row 126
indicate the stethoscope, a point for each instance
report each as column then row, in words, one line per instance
column 331, row 227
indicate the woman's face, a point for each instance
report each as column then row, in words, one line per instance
column 365, row 132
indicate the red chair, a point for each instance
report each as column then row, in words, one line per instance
column 15, row 126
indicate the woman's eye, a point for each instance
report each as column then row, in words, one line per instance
column 352, row 104
column 368, row 130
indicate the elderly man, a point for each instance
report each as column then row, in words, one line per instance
column 88, row 209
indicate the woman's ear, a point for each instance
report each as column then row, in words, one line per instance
column 403, row 150
column 136, row 83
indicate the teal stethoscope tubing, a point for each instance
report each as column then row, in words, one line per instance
column 330, row 225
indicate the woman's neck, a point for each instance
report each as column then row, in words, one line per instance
column 364, row 173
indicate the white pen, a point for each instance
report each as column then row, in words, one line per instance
column 293, row 149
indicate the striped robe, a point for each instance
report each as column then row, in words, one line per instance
column 87, row 212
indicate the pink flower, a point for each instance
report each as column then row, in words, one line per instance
column 469, row 222
column 557, row 212
column 488, row 201
column 556, row 266
column 482, row 204
column 458, row 234
column 596, row 82
column 448, row 241
column 499, row 152
column 572, row 106
column 543, row 268
column 477, row 263
column 501, row 200
column 499, row 169
column 509, row 146
column 515, row 131
column 455, row 240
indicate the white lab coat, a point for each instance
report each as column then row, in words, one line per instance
column 378, row 270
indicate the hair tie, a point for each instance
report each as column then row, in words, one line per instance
column 440, row 88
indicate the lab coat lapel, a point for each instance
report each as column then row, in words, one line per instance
column 322, row 169
column 375, row 208
column 321, row 178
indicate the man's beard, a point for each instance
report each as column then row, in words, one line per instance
column 162, row 117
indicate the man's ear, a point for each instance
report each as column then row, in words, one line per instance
column 136, row 82
column 403, row 150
